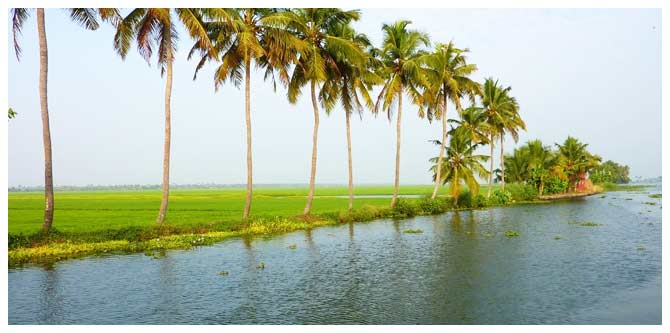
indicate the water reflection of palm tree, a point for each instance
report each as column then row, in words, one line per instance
column 50, row 303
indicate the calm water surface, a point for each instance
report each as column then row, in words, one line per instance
column 460, row 270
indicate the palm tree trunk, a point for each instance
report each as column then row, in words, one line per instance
column 247, row 114
column 541, row 188
column 166, row 143
column 397, row 152
column 351, row 176
column 438, row 174
column 488, row 195
column 46, row 131
column 455, row 191
column 502, row 162
column 312, row 175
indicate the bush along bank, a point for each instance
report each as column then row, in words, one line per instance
column 54, row 246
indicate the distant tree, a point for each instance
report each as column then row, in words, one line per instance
column 611, row 172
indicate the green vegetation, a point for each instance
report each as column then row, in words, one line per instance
column 413, row 231
column 292, row 247
column 260, row 266
column 610, row 172
column 223, row 273
column 585, row 223
column 650, row 203
column 511, row 233
column 656, row 196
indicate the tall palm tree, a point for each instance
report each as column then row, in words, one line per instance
column 350, row 86
column 448, row 79
column 86, row 17
column 399, row 57
column 249, row 35
column 511, row 124
column 316, row 26
column 498, row 106
column 461, row 165
column 152, row 27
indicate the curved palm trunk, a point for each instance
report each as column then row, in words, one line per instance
column 312, row 175
column 488, row 195
column 247, row 114
column 46, row 131
column 397, row 152
column 455, row 188
column 351, row 176
column 166, row 143
column 502, row 162
column 438, row 175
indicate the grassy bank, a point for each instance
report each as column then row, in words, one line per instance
column 92, row 223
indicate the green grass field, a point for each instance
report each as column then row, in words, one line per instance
column 92, row 211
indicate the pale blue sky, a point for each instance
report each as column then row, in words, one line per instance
column 593, row 74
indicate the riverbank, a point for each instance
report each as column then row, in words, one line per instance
column 40, row 248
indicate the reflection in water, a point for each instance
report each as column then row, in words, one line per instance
column 460, row 270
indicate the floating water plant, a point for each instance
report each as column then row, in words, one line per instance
column 603, row 196
column 585, row 223
column 590, row 224
column 413, row 231
column 512, row 233
column 629, row 199
column 487, row 235
column 260, row 266
column 641, row 248
column 223, row 273
column 292, row 247
column 655, row 196
column 557, row 237
column 650, row 203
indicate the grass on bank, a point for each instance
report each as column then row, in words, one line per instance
column 111, row 222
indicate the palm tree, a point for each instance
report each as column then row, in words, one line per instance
column 316, row 27
column 350, row 85
column 498, row 108
column 472, row 123
column 541, row 160
column 399, row 57
column 86, row 17
column 152, row 27
column 448, row 79
column 511, row 124
column 461, row 165
column 246, row 35
column 517, row 166
column 575, row 160
column 11, row 113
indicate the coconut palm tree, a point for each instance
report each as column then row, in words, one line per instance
column 461, row 165
column 249, row 35
column 350, row 86
column 157, row 27
column 399, row 58
column 575, row 160
column 472, row 121
column 448, row 79
column 498, row 108
column 316, row 28
column 541, row 160
column 511, row 124
column 86, row 17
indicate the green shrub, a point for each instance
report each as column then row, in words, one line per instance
column 480, row 201
column 464, row 199
column 405, row 208
column 366, row 213
column 500, row 197
column 433, row 206
column 554, row 185
column 522, row 192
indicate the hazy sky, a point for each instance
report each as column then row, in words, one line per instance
column 593, row 74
